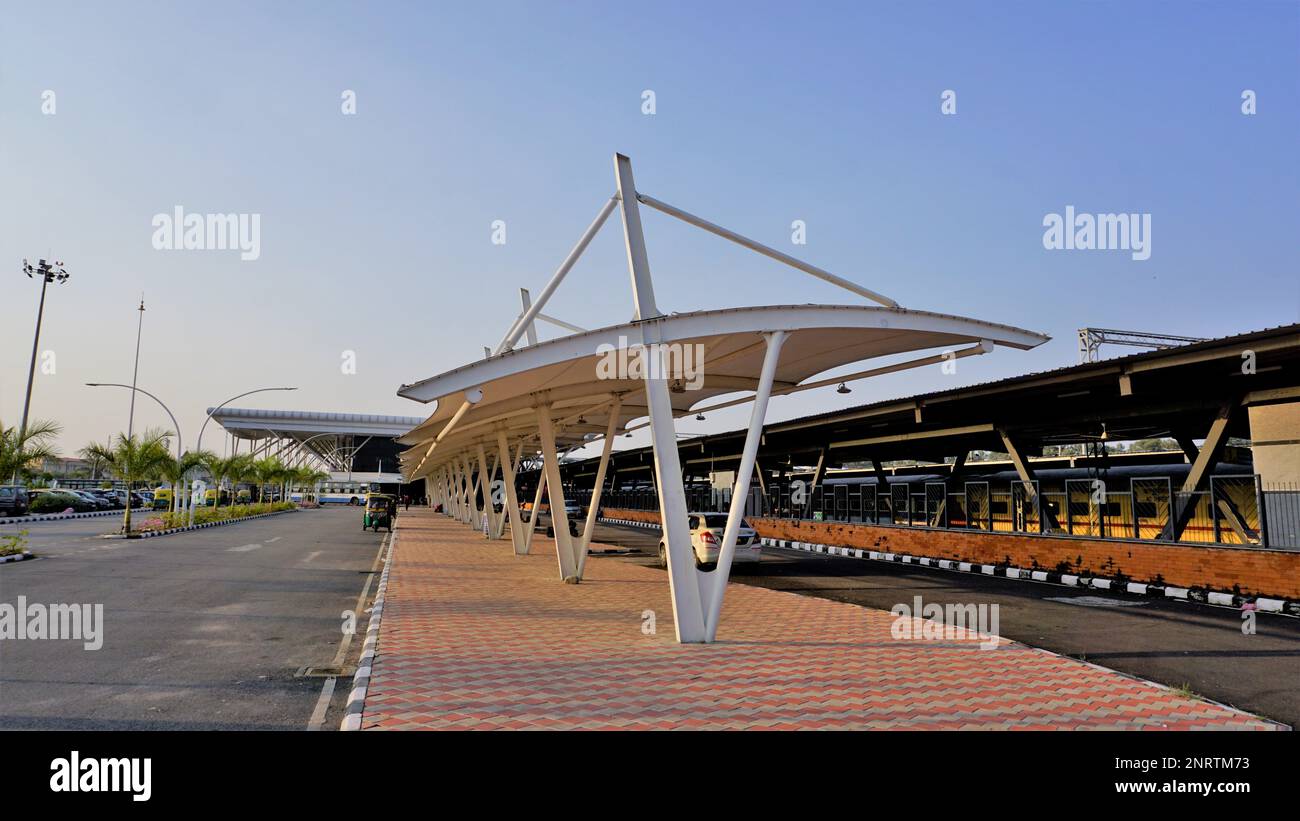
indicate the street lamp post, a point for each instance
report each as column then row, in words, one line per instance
column 130, row 420
column 179, row 447
column 48, row 272
column 199, row 443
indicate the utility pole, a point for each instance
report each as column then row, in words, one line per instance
column 130, row 420
column 48, row 272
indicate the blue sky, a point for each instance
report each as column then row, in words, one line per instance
column 376, row 227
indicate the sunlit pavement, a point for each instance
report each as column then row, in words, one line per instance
column 201, row 630
column 475, row 637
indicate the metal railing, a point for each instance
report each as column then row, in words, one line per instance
column 1235, row 510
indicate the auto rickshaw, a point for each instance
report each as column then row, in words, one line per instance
column 377, row 512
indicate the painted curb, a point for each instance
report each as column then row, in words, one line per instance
column 361, row 679
column 1281, row 607
column 54, row 517
column 149, row 534
column 17, row 557
column 630, row 523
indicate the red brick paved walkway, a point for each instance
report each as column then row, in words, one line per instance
column 475, row 637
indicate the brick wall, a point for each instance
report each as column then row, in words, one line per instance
column 1246, row 571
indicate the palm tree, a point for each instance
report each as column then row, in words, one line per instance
column 267, row 469
column 306, row 478
column 132, row 458
column 233, row 468
column 173, row 470
column 18, row 453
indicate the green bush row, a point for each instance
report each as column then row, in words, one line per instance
column 204, row 515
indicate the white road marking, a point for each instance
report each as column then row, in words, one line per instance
column 244, row 548
column 327, row 691
column 274, row 539
column 311, row 556
column 1094, row 601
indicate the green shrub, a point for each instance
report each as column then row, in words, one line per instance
column 204, row 515
column 11, row 543
column 56, row 502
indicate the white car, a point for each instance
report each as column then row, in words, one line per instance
column 706, row 539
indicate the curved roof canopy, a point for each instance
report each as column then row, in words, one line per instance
column 578, row 377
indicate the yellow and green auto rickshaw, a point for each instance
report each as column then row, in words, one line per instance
column 379, row 507
column 162, row 498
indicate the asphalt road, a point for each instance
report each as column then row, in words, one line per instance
column 1177, row 644
column 202, row 630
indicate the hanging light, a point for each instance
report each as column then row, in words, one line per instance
column 699, row 417
column 843, row 389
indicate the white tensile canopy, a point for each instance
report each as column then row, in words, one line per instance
column 566, row 392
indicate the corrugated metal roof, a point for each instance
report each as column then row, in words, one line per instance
column 1081, row 369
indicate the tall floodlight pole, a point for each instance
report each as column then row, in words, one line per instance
column 130, row 420
column 48, row 272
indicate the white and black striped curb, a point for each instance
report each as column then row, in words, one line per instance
column 361, row 679
column 16, row 557
column 149, row 534
column 1195, row 594
column 53, row 517
column 631, row 523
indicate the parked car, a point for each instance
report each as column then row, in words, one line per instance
column 114, row 502
column 706, row 540
column 48, row 500
column 99, row 502
column 13, row 500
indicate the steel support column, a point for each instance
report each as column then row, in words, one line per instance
column 740, row 493
column 564, row 546
column 594, row 505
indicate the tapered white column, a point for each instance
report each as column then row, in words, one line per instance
column 555, row 493
column 683, row 578
column 485, row 484
column 518, row 534
column 688, row 611
column 532, row 514
column 740, row 492
column 594, row 506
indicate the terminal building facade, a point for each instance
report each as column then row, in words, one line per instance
column 357, row 450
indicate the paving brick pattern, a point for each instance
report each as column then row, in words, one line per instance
column 474, row 637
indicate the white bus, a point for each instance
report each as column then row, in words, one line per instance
column 342, row 492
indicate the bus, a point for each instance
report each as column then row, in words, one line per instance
column 337, row 493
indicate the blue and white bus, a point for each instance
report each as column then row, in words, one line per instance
column 337, row 492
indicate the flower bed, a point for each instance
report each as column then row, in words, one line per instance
column 207, row 515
